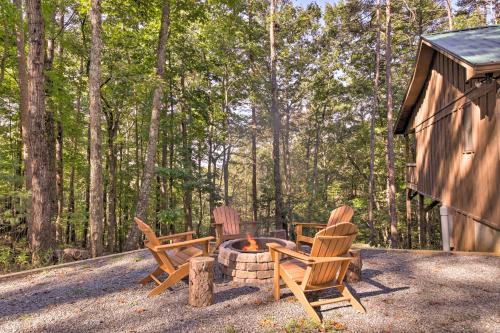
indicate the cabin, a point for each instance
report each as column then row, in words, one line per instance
column 450, row 118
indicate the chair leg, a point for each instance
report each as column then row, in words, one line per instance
column 171, row 280
column 354, row 302
column 276, row 283
column 148, row 278
column 299, row 293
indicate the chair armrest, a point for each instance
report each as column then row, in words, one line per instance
column 179, row 235
column 321, row 260
column 181, row 244
column 278, row 248
column 310, row 224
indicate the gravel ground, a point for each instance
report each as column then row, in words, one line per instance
column 402, row 292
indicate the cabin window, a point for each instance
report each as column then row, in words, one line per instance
column 467, row 129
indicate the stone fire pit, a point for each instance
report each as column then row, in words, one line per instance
column 253, row 266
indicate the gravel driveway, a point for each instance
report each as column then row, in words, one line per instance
column 402, row 292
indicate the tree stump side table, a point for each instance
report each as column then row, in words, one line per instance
column 201, row 281
column 354, row 270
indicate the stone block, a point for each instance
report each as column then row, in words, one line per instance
column 265, row 274
column 228, row 271
column 239, row 280
column 231, row 264
column 247, row 257
column 224, row 262
column 256, row 266
column 234, row 256
column 263, row 257
column 223, row 253
column 245, row 274
column 242, row 265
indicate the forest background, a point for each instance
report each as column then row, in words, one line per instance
column 166, row 109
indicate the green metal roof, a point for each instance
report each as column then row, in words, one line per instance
column 477, row 46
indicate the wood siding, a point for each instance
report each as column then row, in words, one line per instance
column 467, row 182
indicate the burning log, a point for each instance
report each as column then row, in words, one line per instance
column 252, row 244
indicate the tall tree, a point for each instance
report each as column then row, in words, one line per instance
column 391, row 177
column 40, row 228
column 449, row 11
column 252, row 97
column 23, row 91
column 96, row 206
column 59, row 142
column 149, row 164
column 374, row 112
column 276, row 122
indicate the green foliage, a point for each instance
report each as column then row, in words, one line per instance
column 217, row 71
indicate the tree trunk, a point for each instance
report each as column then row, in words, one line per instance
column 225, row 174
column 187, row 162
column 70, row 230
column 211, row 195
column 23, row 100
column 276, row 124
column 87, row 196
column 60, row 184
column 200, row 191
column 254, row 164
column 59, row 147
column 171, row 150
column 496, row 9
column 374, row 112
column 50, row 149
column 96, row 218
column 253, row 131
column 449, row 10
column 113, row 121
column 40, row 230
column 391, row 181
column 149, row 164
column 287, row 168
column 6, row 47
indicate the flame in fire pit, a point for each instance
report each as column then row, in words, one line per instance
column 252, row 244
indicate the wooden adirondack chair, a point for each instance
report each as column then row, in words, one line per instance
column 173, row 258
column 227, row 224
column 324, row 268
column 338, row 215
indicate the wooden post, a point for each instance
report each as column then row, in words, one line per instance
column 201, row 281
column 408, row 215
column 354, row 270
column 421, row 221
column 445, row 226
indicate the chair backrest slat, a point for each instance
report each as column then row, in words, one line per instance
column 340, row 214
column 148, row 232
column 337, row 242
column 229, row 219
column 161, row 257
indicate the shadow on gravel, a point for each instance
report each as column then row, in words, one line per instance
column 368, row 275
column 228, row 294
column 71, row 288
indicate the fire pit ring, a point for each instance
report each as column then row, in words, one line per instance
column 249, row 266
column 240, row 243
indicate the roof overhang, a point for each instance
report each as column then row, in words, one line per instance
column 425, row 55
column 420, row 72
